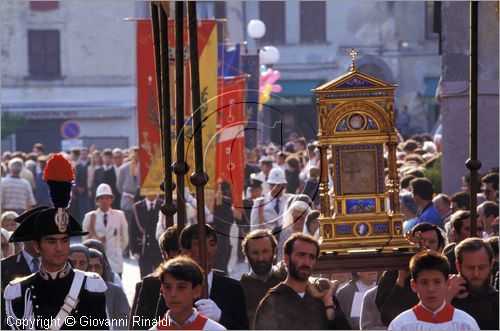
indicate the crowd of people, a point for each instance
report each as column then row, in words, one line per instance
column 453, row 282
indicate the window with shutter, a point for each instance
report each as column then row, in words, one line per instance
column 272, row 13
column 44, row 5
column 312, row 21
column 44, row 54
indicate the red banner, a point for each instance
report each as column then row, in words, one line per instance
column 147, row 112
column 147, row 109
column 230, row 150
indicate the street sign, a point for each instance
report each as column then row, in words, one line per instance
column 67, row 145
column 70, row 130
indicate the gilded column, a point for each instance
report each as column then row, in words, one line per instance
column 323, row 183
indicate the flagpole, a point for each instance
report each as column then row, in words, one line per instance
column 180, row 166
column 198, row 178
column 168, row 208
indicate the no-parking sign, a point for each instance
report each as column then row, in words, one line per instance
column 70, row 130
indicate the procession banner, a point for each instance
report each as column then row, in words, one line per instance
column 151, row 164
column 229, row 60
column 250, row 66
column 207, row 54
column 148, row 119
column 230, row 153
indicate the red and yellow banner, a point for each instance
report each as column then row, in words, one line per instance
column 149, row 133
column 230, row 151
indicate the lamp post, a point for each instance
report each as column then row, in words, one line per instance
column 268, row 55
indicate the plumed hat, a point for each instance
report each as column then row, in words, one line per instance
column 43, row 221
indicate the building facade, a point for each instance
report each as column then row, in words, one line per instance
column 76, row 61
column 69, row 61
column 454, row 91
column 395, row 42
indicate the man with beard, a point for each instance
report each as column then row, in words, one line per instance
column 289, row 305
column 471, row 291
column 259, row 248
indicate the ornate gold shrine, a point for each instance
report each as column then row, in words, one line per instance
column 356, row 126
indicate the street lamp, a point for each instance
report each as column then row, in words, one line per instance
column 269, row 55
column 256, row 29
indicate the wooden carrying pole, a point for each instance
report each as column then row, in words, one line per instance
column 198, row 178
column 473, row 164
column 180, row 166
column 160, row 37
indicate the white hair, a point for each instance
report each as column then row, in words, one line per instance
column 429, row 147
column 6, row 236
column 16, row 165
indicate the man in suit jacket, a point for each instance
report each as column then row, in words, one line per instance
column 107, row 163
column 226, row 303
column 143, row 243
column 26, row 261
column 81, row 190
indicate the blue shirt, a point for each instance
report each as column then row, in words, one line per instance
column 430, row 215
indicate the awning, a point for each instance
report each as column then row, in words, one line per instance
column 431, row 84
column 295, row 92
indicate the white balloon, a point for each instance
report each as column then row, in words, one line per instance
column 256, row 29
column 269, row 55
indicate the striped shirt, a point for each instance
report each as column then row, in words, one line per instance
column 16, row 194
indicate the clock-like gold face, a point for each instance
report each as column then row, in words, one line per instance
column 356, row 122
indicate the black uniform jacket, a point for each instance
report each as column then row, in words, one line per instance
column 142, row 230
column 47, row 298
column 13, row 267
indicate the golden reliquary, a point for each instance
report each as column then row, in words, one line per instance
column 356, row 127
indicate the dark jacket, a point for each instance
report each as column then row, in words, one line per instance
column 143, row 228
column 484, row 308
column 110, row 178
column 47, row 297
column 255, row 290
column 226, row 292
column 283, row 309
column 148, row 302
column 392, row 300
column 13, row 267
column 117, row 304
column 81, row 178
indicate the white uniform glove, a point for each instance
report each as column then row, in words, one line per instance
column 208, row 308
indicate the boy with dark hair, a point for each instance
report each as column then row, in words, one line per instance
column 147, row 301
column 181, row 284
column 429, row 279
column 226, row 301
column 394, row 293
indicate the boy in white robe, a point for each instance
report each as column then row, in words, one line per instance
column 429, row 279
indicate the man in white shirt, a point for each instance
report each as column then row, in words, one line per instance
column 109, row 226
column 267, row 212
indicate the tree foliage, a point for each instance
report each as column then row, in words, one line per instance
column 10, row 123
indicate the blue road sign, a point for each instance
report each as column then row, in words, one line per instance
column 70, row 130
